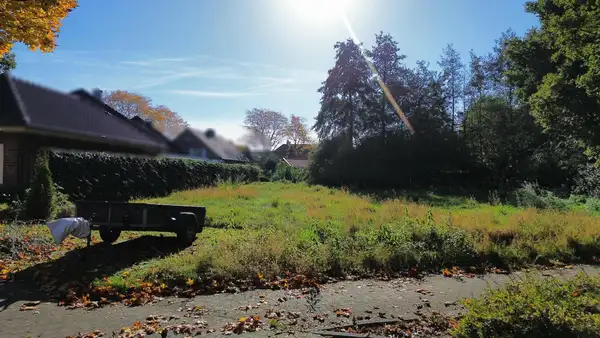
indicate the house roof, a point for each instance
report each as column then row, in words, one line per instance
column 290, row 151
column 36, row 108
column 222, row 147
column 297, row 163
column 147, row 126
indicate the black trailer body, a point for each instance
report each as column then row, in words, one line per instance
column 110, row 218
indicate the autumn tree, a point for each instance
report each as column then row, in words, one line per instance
column 297, row 132
column 134, row 104
column 266, row 125
column 36, row 23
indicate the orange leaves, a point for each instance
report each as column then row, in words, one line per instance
column 36, row 23
column 245, row 324
column 29, row 306
column 94, row 334
column 344, row 312
column 134, row 104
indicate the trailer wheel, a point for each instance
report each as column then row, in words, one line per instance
column 188, row 228
column 109, row 235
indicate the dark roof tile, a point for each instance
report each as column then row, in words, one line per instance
column 223, row 148
column 50, row 110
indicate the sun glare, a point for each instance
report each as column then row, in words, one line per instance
column 320, row 9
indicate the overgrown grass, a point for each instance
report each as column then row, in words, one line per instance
column 535, row 308
column 271, row 228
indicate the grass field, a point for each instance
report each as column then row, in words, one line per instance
column 269, row 229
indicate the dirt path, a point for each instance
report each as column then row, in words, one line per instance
column 366, row 298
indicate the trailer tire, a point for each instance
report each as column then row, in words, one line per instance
column 188, row 228
column 109, row 235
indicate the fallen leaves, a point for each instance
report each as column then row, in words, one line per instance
column 245, row 324
column 424, row 292
column 343, row 312
column 94, row 334
column 29, row 306
column 432, row 325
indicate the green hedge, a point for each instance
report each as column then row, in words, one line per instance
column 95, row 176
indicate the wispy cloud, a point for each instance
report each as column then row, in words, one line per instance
column 214, row 94
column 194, row 75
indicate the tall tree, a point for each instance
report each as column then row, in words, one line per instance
column 496, row 66
column 385, row 56
column 36, row 23
column 556, row 69
column 424, row 102
column 345, row 95
column 477, row 87
column 133, row 104
column 502, row 139
column 7, row 62
column 297, row 132
column 452, row 68
column 267, row 124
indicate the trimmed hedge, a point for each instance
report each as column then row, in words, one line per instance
column 96, row 176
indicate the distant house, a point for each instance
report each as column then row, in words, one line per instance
column 208, row 145
column 147, row 125
column 294, row 155
column 34, row 117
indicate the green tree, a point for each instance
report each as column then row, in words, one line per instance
column 502, row 139
column 385, row 56
column 345, row 95
column 556, row 69
column 452, row 69
column 7, row 62
column 39, row 202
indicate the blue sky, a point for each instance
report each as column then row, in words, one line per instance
column 211, row 60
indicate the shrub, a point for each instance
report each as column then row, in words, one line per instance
column 96, row 176
column 284, row 172
column 593, row 204
column 538, row 308
column 39, row 200
column 530, row 195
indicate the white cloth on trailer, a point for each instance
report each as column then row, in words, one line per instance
column 63, row 227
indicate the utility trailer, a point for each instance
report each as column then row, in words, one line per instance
column 110, row 218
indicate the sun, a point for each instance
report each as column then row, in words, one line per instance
column 320, row 9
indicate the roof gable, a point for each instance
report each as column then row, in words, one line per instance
column 220, row 146
column 294, row 151
column 35, row 107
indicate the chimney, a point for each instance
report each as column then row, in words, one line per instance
column 209, row 133
column 97, row 93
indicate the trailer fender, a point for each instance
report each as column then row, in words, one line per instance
column 187, row 218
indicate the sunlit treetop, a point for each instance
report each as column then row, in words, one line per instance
column 36, row 23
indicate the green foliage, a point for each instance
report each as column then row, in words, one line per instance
column 556, row 69
column 39, row 200
column 7, row 62
column 535, row 308
column 521, row 113
column 312, row 229
column 284, row 172
column 530, row 195
column 593, row 205
column 105, row 177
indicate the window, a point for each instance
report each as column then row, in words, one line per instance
column 198, row 152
